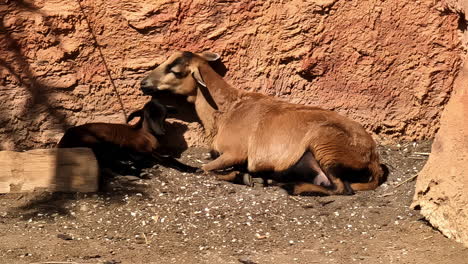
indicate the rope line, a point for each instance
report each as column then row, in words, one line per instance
column 114, row 87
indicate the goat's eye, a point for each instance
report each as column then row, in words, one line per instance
column 178, row 74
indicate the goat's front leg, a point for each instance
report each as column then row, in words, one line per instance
column 222, row 162
column 225, row 161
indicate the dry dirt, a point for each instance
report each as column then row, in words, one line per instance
column 174, row 217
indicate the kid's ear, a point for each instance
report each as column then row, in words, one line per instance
column 137, row 113
column 171, row 109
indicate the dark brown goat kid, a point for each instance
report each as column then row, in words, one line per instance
column 139, row 139
column 331, row 153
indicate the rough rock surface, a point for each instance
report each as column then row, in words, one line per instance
column 442, row 187
column 389, row 65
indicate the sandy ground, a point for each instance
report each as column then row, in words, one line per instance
column 175, row 217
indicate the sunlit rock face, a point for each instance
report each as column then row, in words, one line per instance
column 390, row 65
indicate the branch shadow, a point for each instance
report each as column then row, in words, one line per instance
column 16, row 64
column 15, row 61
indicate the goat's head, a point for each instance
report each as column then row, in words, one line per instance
column 179, row 74
column 152, row 117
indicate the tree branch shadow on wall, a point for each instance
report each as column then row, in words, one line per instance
column 16, row 64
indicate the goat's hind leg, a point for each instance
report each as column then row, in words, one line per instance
column 305, row 188
column 378, row 176
column 236, row 177
column 324, row 181
column 308, row 164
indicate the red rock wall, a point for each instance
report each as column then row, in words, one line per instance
column 442, row 187
column 387, row 64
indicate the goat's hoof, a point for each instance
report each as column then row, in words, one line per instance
column 193, row 170
column 348, row 190
column 145, row 175
column 264, row 182
column 289, row 188
column 259, row 181
column 247, row 180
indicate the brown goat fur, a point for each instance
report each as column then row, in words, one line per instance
column 268, row 134
column 141, row 138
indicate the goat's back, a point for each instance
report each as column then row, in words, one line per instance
column 92, row 135
column 273, row 134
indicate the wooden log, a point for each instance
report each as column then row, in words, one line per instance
column 56, row 170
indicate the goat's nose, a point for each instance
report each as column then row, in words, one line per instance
column 144, row 83
column 146, row 86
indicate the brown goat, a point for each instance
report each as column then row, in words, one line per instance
column 141, row 139
column 271, row 135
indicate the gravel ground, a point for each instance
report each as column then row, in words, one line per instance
column 175, row 217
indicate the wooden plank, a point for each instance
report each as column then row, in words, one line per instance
column 56, row 170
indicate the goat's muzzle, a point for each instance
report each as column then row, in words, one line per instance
column 146, row 87
column 147, row 91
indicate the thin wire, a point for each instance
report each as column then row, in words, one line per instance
column 103, row 59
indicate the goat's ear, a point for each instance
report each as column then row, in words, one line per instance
column 210, row 56
column 156, row 125
column 203, row 89
column 171, row 109
column 197, row 76
column 133, row 115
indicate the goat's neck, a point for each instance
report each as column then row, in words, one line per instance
column 222, row 94
column 208, row 116
column 144, row 127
